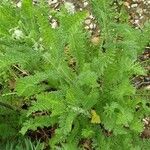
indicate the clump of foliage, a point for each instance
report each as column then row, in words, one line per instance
column 22, row 144
column 92, row 98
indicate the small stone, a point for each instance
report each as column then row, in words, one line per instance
column 56, row 5
column 54, row 24
column 136, row 21
column 50, row 2
column 139, row 11
column 147, row 87
column 134, row 5
column 18, row 34
column 127, row 4
column 87, row 21
column 70, row 7
column 85, row 4
column 147, row 79
column 145, row 121
column 50, row 16
column 19, row 4
column 91, row 16
column 141, row 17
column 92, row 26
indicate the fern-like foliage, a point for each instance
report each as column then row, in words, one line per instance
column 37, row 57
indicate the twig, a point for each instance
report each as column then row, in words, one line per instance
column 22, row 71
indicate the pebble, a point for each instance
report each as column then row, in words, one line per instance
column 85, row 4
column 94, row 26
column 136, row 21
column 50, row 2
column 18, row 34
column 141, row 17
column 50, row 16
column 147, row 87
column 134, row 5
column 87, row 21
column 70, row 7
column 81, row 9
column 145, row 121
column 54, row 25
column 139, row 11
column 91, row 16
column 127, row 4
column 91, row 26
column 19, row 4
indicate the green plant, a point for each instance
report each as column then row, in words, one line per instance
column 24, row 144
column 93, row 98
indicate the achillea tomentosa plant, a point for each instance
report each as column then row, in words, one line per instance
column 91, row 99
